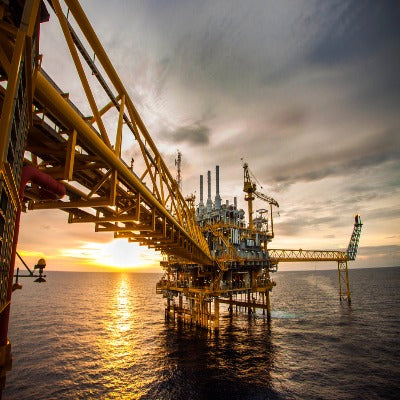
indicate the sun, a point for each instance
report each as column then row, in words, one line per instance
column 116, row 254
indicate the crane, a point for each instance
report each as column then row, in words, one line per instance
column 250, row 188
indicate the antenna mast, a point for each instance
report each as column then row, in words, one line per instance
column 178, row 162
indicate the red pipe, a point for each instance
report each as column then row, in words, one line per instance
column 51, row 190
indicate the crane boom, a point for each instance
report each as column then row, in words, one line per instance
column 266, row 198
column 250, row 188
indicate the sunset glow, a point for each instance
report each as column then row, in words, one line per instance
column 116, row 254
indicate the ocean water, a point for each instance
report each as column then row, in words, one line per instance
column 103, row 336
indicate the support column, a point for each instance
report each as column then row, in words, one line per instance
column 216, row 314
column 168, row 309
column 197, row 315
column 263, row 302
column 268, row 305
column 180, row 311
column 192, row 310
column 344, row 285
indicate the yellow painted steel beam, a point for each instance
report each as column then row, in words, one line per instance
column 102, row 57
column 59, row 172
column 49, row 97
column 4, row 61
column 113, row 228
column 8, row 177
column 286, row 255
column 6, row 111
column 80, row 70
column 70, row 156
column 99, row 184
column 51, row 205
column 106, row 108
column 118, row 140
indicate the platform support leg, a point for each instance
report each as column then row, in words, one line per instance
column 268, row 305
column 344, row 285
column 216, row 314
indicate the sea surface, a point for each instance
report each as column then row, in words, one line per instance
column 103, row 336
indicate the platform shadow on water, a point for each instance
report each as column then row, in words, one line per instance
column 235, row 364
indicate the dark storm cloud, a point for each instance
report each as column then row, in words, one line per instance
column 351, row 29
column 365, row 33
column 196, row 134
column 324, row 162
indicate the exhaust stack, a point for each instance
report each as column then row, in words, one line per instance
column 209, row 202
column 201, row 204
column 217, row 196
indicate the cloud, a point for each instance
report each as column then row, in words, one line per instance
column 376, row 250
column 290, row 118
column 293, row 226
column 324, row 162
column 351, row 29
column 195, row 134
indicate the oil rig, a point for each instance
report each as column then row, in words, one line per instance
column 243, row 262
column 55, row 157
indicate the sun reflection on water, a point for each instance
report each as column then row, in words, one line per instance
column 123, row 316
column 118, row 343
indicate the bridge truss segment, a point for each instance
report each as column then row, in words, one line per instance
column 341, row 257
column 141, row 202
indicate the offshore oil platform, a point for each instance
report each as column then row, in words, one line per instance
column 55, row 157
column 243, row 263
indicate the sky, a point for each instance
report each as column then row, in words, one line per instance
column 307, row 92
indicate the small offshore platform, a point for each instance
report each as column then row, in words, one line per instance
column 243, row 263
column 55, row 157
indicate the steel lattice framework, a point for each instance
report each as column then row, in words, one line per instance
column 286, row 255
column 142, row 204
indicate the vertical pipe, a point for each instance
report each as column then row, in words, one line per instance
column 347, row 284
column 340, row 281
column 209, row 185
column 168, row 309
column 209, row 202
column 217, row 196
column 272, row 220
column 263, row 302
column 200, row 210
column 217, row 180
column 180, row 313
column 201, row 189
column 268, row 305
